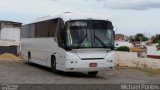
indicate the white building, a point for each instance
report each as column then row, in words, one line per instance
column 9, row 37
column 123, row 43
column 153, row 52
column 10, row 30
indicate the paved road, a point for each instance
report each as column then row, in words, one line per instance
column 18, row 72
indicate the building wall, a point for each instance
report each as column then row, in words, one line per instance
column 152, row 50
column 10, row 34
column 10, row 24
column 9, row 37
column 122, row 43
column 10, row 30
column 130, row 59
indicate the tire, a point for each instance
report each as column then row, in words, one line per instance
column 93, row 73
column 29, row 58
column 53, row 64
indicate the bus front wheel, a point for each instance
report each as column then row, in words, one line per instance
column 93, row 73
column 53, row 64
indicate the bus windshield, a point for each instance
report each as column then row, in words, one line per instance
column 89, row 34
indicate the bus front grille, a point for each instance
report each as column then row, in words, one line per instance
column 92, row 58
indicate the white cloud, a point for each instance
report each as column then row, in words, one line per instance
column 34, row 6
column 131, row 4
column 44, row 7
column 127, row 15
column 31, row 9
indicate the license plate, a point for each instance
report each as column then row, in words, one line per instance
column 93, row 65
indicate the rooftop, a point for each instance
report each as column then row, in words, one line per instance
column 6, row 21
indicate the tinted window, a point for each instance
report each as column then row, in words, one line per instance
column 89, row 34
column 46, row 28
column 60, row 33
column 25, row 31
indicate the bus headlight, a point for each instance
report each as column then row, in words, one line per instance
column 74, row 62
column 109, row 60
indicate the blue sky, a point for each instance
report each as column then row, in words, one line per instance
column 128, row 16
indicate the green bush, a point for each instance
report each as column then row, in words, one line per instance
column 123, row 48
column 158, row 41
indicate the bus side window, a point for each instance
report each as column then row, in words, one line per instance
column 61, row 34
column 45, row 28
column 25, row 31
column 52, row 27
column 41, row 29
column 31, row 31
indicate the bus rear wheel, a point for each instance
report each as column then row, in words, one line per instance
column 53, row 64
column 29, row 58
column 93, row 73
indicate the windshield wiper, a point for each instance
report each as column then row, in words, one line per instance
column 81, row 41
column 100, row 41
column 79, row 46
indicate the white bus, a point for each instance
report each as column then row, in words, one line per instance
column 70, row 42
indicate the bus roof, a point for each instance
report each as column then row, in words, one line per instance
column 72, row 16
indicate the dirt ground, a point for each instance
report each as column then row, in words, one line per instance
column 18, row 72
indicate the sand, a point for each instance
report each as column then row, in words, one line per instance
column 8, row 56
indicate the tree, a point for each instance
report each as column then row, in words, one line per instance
column 158, row 41
column 140, row 37
column 132, row 39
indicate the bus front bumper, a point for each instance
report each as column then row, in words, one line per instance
column 86, row 65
